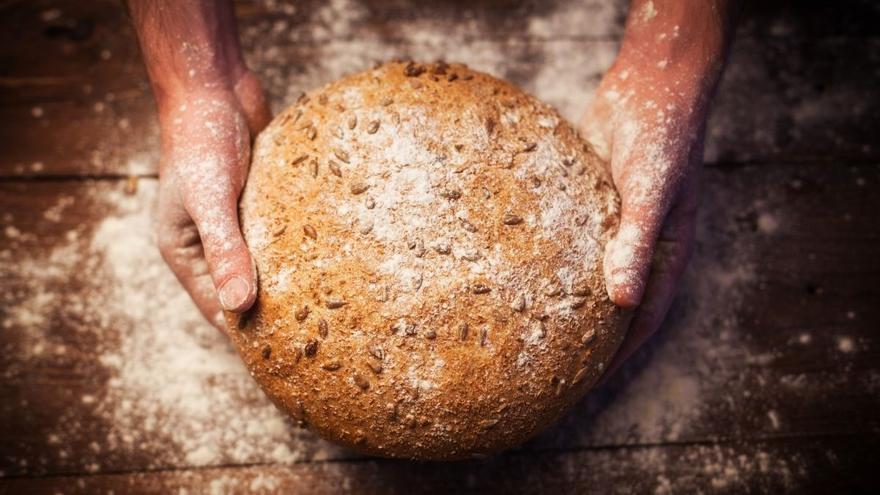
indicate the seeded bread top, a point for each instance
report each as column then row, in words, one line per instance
column 429, row 241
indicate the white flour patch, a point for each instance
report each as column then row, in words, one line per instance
column 176, row 391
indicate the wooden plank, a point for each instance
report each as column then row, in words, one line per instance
column 833, row 465
column 809, row 19
column 796, row 100
column 108, row 367
column 794, row 91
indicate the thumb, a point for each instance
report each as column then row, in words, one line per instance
column 214, row 210
column 628, row 255
column 647, row 176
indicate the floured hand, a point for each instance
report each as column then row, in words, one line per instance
column 210, row 108
column 206, row 138
column 647, row 122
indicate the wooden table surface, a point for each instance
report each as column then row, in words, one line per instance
column 765, row 377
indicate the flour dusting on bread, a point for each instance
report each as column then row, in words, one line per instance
column 446, row 216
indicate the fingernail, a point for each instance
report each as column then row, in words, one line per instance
column 234, row 294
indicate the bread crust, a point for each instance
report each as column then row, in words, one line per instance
column 429, row 241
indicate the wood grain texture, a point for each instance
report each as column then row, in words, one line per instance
column 765, row 377
column 772, row 338
column 830, row 465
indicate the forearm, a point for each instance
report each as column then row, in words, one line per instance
column 678, row 46
column 188, row 46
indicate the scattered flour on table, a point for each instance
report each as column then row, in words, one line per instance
column 175, row 377
column 725, row 469
column 176, row 391
column 846, row 344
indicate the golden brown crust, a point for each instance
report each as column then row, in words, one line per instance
column 429, row 243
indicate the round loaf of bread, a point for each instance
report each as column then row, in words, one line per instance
column 429, row 243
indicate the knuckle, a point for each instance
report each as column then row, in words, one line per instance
column 164, row 239
column 178, row 246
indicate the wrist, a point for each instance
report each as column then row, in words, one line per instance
column 173, row 89
column 681, row 89
column 175, row 99
column 190, row 118
column 685, row 72
column 244, row 95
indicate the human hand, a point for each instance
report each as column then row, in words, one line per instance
column 210, row 108
column 647, row 122
column 206, row 139
column 648, row 126
column 655, row 158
